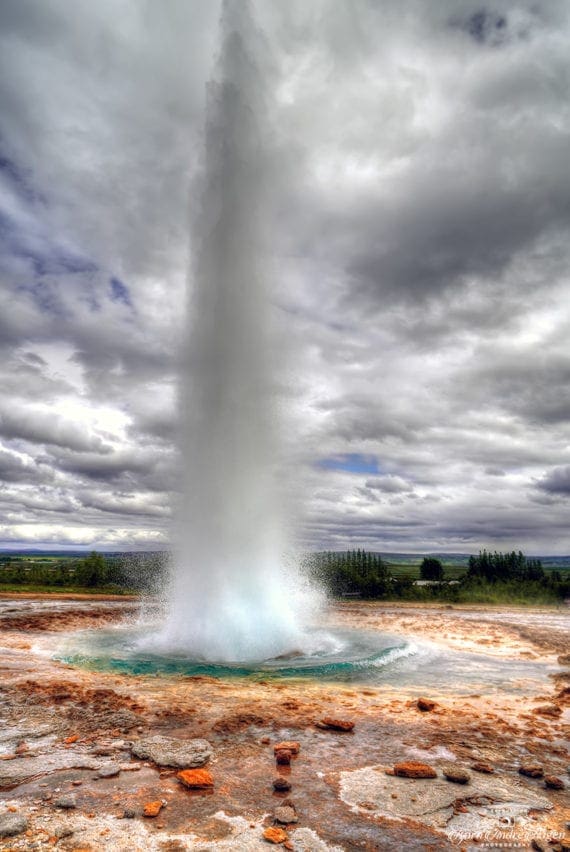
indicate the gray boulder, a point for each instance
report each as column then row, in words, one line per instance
column 12, row 824
column 171, row 751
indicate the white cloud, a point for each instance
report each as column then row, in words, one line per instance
column 417, row 244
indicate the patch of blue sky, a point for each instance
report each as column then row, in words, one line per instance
column 351, row 463
column 25, row 237
column 19, row 181
column 120, row 292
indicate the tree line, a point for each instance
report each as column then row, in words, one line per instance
column 489, row 577
column 500, row 577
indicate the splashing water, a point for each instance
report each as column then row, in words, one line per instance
column 231, row 597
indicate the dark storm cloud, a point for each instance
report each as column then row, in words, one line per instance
column 557, row 481
column 13, row 469
column 121, row 505
column 105, row 467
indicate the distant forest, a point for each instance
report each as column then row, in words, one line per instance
column 489, row 577
column 485, row 578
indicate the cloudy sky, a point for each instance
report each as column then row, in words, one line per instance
column 419, row 265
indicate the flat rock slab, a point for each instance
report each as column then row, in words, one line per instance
column 108, row 770
column 26, row 731
column 490, row 802
column 12, row 824
column 15, row 772
column 171, row 751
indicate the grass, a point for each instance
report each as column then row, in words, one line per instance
column 38, row 589
column 412, row 570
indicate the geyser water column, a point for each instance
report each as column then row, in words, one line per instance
column 230, row 597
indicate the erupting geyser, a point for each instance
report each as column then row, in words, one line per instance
column 230, row 597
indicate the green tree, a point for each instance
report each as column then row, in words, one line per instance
column 91, row 572
column 431, row 569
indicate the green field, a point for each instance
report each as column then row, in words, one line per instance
column 390, row 576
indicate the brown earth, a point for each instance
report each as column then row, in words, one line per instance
column 59, row 725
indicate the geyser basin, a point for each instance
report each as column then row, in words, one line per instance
column 341, row 655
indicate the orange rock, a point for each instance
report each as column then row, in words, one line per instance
column 289, row 745
column 152, row 809
column 275, row 835
column 414, row 769
column 481, row 766
column 72, row 739
column 283, row 757
column 552, row 710
column 196, row 778
column 335, row 724
column 531, row 770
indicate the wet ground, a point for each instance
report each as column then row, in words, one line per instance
column 69, row 780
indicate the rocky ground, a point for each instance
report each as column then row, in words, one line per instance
column 93, row 761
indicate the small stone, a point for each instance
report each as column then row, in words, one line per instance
column 425, row 705
column 531, row 770
column 285, row 815
column 456, row 774
column 108, row 771
column 265, row 740
column 12, row 824
column 481, row 766
column 62, row 831
column 414, row 769
column 553, row 782
column 289, row 745
column 281, row 785
column 152, row 809
column 196, row 778
column 77, row 782
column 283, row 757
column 66, row 803
column 335, row 724
column 72, row 739
column 129, row 813
column 275, row 835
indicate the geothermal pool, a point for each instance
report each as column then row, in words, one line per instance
column 343, row 655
